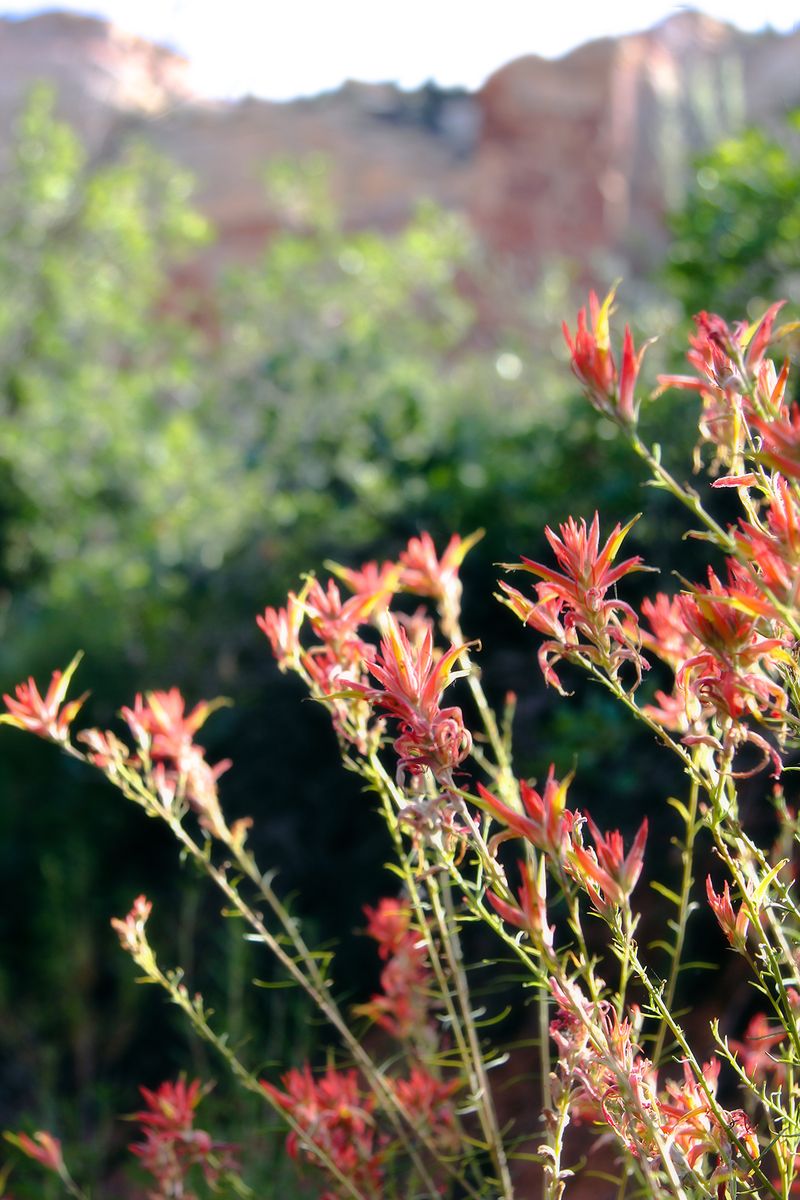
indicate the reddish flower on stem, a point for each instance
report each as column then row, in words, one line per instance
column 545, row 822
column 413, row 680
column 430, row 1102
column 371, row 583
column 388, row 924
column 165, row 732
column 607, row 866
column 425, row 574
column 282, row 627
column 573, row 603
column 171, row 1145
column 333, row 1116
column 131, row 928
column 593, row 362
column 47, row 716
column 402, row 1007
column 733, row 925
column 530, row 913
column 42, row 1148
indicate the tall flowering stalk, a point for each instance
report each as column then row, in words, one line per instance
column 411, row 1100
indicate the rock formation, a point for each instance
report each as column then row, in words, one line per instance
column 572, row 156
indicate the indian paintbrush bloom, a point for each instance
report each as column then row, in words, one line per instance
column 47, row 716
column 593, row 362
column 607, row 867
column 578, row 610
column 336, row 1117
column 42, row 1148
column 412, row 681
column 733, row 925
column 171, row 1145
column 402, row 1007
column 545, row 821
column 425, row 574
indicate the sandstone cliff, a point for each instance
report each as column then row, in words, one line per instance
column 570, row 156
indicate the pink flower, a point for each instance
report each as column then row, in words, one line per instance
column 131, row 928
column 44, row 716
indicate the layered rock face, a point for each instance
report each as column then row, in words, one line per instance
column 572, row 156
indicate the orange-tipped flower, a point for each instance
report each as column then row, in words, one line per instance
column 42, row 1148
column 594, row 366
column 733, row 925
column 546, row 822
column 608, row 867
column 47, row 716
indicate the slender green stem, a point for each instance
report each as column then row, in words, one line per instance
column 444, row 912
column 687, row 880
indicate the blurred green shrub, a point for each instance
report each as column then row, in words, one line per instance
column 737, row 236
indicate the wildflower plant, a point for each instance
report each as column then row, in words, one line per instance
column 409, row 1103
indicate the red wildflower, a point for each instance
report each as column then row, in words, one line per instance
column 430, row 1101
column 402, row 1006
column 333, row 1116
column 44, row 716
column 593, row 362
column 42, row 1148
column 545, row 821
column 413, row 680
column 760, row 1039
column 780, row 441
column 728, row 672
column 670, row 639
column 373, row 583
column 131, row 928
column 171, row 1145
column 388, row 924
column 530, row 913
column 425, row 574
column 690, row 1123
column 282, row 627
column 733, row 925
column 607, row 867
column 774, row 552
column 165, row 732
column 573, row 603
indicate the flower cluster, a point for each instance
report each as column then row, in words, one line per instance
column 403, row 677
column 47, row 716
column 603, row 871
column 333, row 1116
column 402, row 1007
column 573, row 607
column 611, row 1081
column 609, row 391
column 171, row 1145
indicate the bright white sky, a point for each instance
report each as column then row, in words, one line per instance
column 284, row 48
